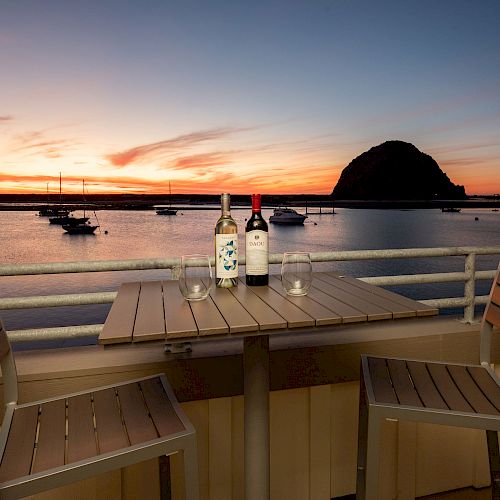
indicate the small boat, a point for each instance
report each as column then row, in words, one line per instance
column 167, row 210
column 450, row 209
column 81, row 228
column 80, row 225
column 287, row 216
column 67, row 219
column 54, row 210
column 49, row 211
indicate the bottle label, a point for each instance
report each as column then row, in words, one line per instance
column 226, row 255
column 257, row 253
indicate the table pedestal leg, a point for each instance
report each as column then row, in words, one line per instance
column 256, row 391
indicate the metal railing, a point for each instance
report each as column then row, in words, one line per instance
column 468, row 277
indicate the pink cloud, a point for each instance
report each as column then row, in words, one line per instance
column 158, row 150
column 35, row 143
column 201, row 160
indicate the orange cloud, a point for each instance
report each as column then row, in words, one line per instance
column 201, row 161
column 202, row 183
column 158, row 150
column 6, row 118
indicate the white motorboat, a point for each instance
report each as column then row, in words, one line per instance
column 287, row 216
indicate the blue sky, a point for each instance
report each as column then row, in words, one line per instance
column 260, row 96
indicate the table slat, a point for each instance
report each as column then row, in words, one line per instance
column 372, row 311
column 150, row 318
column 294, row 316
column 120, row 321
column 420, row 309
column 347, row 313
column 321, row 315
column 235, row 315
column 179, row 319
column 385, row 302
column 208, row 318
column 266, row 317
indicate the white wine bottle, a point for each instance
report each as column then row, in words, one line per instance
column 226, row 247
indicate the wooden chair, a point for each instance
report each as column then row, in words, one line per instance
column 439, row 393
column 61, row 440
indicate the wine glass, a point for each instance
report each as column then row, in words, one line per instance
column 296, row 273
column 195, row 279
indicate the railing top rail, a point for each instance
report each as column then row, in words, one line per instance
column 169, row 263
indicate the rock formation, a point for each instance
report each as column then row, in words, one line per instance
column 395, row 170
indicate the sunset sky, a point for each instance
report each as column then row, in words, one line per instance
column 260, row 96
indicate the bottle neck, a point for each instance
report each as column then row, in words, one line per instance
column 225, row 202
column 256, row 203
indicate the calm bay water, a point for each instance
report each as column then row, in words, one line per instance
column 27, row 238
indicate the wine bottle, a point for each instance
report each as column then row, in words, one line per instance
column 226, row 246
column 256, row 247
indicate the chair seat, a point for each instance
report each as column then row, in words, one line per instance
column 81, row 430
column 449, row 388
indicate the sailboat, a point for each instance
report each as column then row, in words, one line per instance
column 54, row 211
column 82, row 227
column 167, row 210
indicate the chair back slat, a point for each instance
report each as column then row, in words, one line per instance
column 4, row 343
column 495, row 295
column 492, row 313
column 8, row 365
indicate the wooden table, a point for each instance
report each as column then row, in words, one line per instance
column 156, row 310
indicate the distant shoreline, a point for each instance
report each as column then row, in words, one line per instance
column 211, row 202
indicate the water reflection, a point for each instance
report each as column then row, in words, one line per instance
column 143, row 234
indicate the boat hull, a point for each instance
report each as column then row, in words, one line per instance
column 69, row 221
column 79, row 228
column 166, row 211
column 283, row 222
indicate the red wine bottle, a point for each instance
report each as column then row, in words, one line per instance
column 256, row 247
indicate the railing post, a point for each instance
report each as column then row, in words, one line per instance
column 470, row 287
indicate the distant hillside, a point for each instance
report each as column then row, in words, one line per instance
column 395, row 170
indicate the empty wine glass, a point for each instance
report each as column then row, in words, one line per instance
column 195, row 279
column 296, row 273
